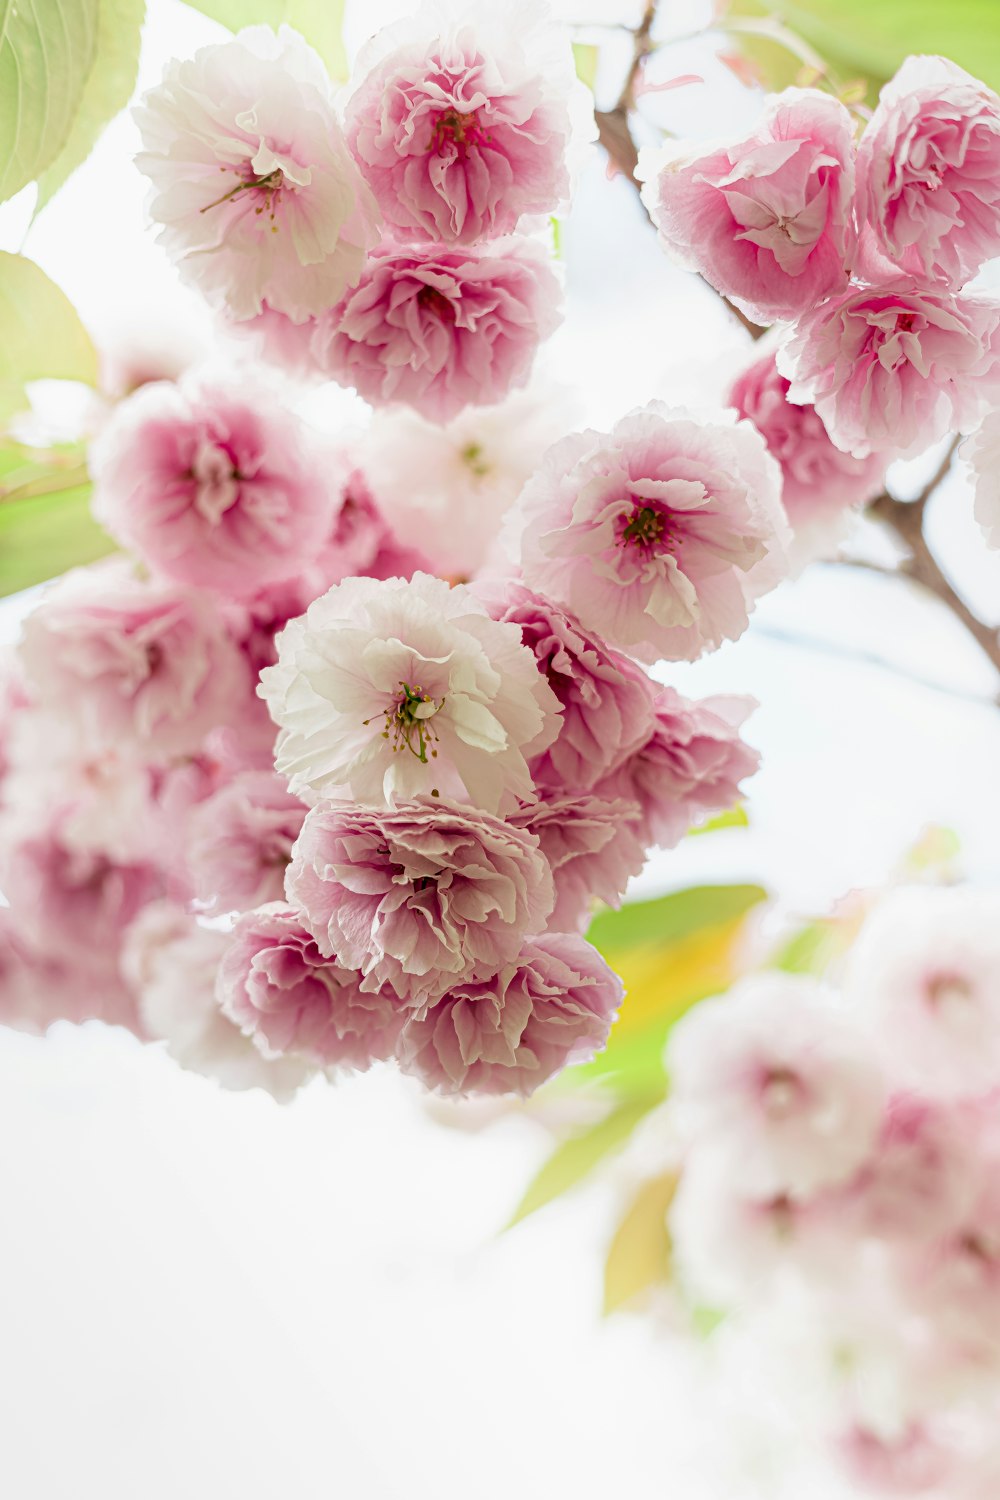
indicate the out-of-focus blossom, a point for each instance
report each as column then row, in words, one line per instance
column 982, row 450
column 240, row 842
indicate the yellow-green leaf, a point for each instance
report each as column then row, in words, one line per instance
column 42, row 336
column 47, row 49
column 107, row 90
column 321, row 22
column 43, row 535
column 574, row 1159
column 639, row 1258
column 734, row 817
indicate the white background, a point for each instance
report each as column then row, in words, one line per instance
column 208, row 1295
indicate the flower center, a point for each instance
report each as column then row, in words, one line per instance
column 407, row 725
column 949, row 991
column 437, row 303
column 216, row 480
column 266, row 188
column 781, row 1091
column 648, row 529
column 458, row 130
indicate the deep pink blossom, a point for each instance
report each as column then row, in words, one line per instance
column 929, row 175
column 440, row 329
column 277, row 986
column 593, row 846
column 659, row 535
column 214, row 484
column 509, row 1034
column 40, row 985
column 766, row 220
column 891, row 369
column 240, row 841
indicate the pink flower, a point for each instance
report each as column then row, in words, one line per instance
column 39, row 986
column 253, row 183
column 171, row 964
column 462, row 126
column 240, row 842
column 773, row 1075
column 891, row 369
column 914, row 1461
column 213, row 484
column 920, row 1179
column 508, row 1035
column 607, row 701
column 440, row 329
column 593, row 848
column 929, row 174
column 819, row 482
column 689, row 768
column 659, row 535
column 399, row 689
column 419, row 897
column 132, row 663
column 766, row 220
column 982, row 451
column 277, row 986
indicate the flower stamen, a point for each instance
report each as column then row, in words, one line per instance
column 407, row 723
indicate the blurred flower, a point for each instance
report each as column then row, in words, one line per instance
column 240, row 842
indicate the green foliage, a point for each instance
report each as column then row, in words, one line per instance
column 43, row 338
column 640, row 1254
column 43, row 535
column 865, row 40
column 586, row 57
column 575, row 1158
column 47, row 49
column 734, row 817
column 320, row 22
column 107, row 89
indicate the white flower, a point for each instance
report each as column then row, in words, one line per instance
column 387, row 689
column 982, row 450
column 774, row 1075
column 924, row 975
column 258, row 195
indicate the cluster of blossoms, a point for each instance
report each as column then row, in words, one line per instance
column 310, row 777
column 863, row 251
column 842, row 1173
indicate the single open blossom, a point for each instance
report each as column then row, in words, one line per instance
column 403, row 689
column 461, row 124
column 213, row 484
column 253, row 183
column 766, row 220
column 593, row 846
column 689, row 767
column 507, row 1035
column 774, row 1075
column 606, row 700
column 277, row 986
column 659, row 535
column 132, row 663
column 982, row 450
column 924, row 975
column 890, row 369
column 420, row 896
column 440, row 329
column 819, row 482
column 928, row 199
column 171, row 964
column 240, row 842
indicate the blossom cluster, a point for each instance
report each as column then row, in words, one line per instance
column 864, row 251
column 841, row 1169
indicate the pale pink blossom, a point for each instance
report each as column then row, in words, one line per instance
column 439, row 329
column 508, row 1035
column 419, row 897
column 240, row 842
column 132, row 663
column 913, row 1461
column 689, row 768
column 278, row 988
column 214, row 483
column 982, row 451
column 40, row 983
column 766, row 220
column 171, row 964
column 891, row 369
column 819, row 482
column 403, row 689
column 256, row 191
column 924, row 977
column 920, row 1177
column 461, row 124
column 593, row 846
column 928, row 199
column 606, row 700
column 776, row 1077
column 660, row 535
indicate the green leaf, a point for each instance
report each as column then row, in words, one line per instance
column 321, row 22
column 47, row 48
column 639, row 1257
column 43, row 339
column 586, row 57
column 574, row 1159
column 735, row 817
column 41, row 536
column 107, row 90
